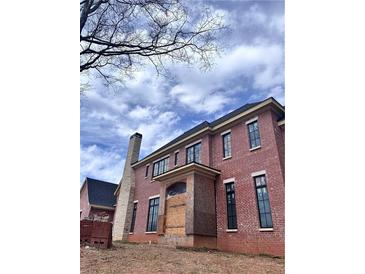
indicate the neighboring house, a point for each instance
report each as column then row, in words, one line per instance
column 97, row 200
column 219, row 185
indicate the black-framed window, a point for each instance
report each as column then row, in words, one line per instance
column 227, row 145
column 161, row 166
column 193, row 153
column 254, row 134
column 147, row 167
column 176, row 157
column 153, row 214
column 263, row 202
column 231, row 206
column 133, row 217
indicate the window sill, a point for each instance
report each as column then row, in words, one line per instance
column 226, row 158
column 131, row 233
column 150, row 232
column 254, row 148
column 231, row 230
column 266, row 229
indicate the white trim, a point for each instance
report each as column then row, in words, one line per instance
column 152, row 197
column 191, row 144
column 281, row 122
column 131, row 233
column 252, row 120
column 254, row 148
column 136, row 201
column 176, row 151
column 161, row 158
column 147, row 166
column 225, row 132
column 226, row 158
column 101, row 207
column 266, row 229
column 192, row 167
column 229, row 180
column 150, row 232
column 231, row 230
column 258, row 173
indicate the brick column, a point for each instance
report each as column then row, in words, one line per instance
column 124, row 208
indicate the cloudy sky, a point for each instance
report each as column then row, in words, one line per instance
column 251, row 68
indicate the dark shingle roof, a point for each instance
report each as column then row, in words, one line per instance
column 203, row 125
column 233, row 113
column 101, row 193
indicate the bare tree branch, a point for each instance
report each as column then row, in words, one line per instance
column 123, row 34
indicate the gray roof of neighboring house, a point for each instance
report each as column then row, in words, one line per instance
column 101, row 193
column 205, row 124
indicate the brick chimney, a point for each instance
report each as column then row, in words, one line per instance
column 125, row 191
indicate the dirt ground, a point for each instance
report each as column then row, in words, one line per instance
column 133, row 258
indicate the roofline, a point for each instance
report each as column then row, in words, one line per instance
column 188, row 167
column 152, row 155
column 83, row 184
column 99, row 180
column 117, row 189
column 102, row 207
column 250, row 110
column 264, row 103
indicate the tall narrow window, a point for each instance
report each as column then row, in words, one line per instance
column 152, row 214
column 133, row 217
column 227, row 145
column 176, row 158
column 160, row 167
column 263, row 202
column 231, row 206
column 146, row 175
column 254, row 134
column 193, row 154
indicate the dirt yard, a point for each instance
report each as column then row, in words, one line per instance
column 131, row 258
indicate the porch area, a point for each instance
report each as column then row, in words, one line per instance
column 187, row 215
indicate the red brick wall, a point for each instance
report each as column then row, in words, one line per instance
column 270, row 157
column 144, row 188
column 248, row 238
column 97, row 212
column 205, row 221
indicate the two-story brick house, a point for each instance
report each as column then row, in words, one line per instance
column 218, row 185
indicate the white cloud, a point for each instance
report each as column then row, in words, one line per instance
column 158, row 130
column 254, row 16
column 101, row 164
column 278, row 93
column 260, row 65
column 145, row 88
column 198, row 98
column 278, row 23
column 141, row 113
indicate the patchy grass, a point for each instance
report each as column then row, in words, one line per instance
column 131, row 258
